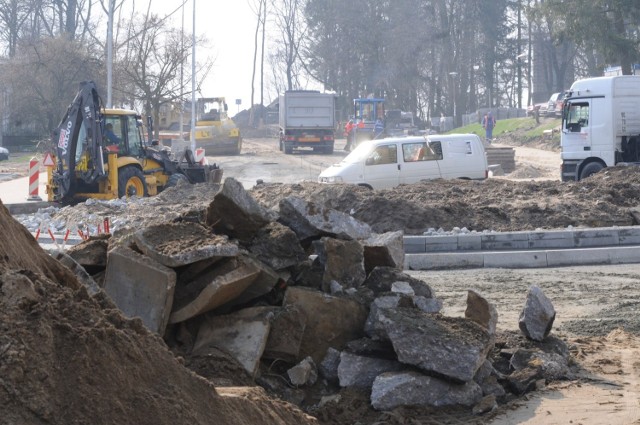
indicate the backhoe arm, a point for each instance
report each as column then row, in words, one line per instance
column 79, row 143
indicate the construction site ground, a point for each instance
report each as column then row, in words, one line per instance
column 597, row 306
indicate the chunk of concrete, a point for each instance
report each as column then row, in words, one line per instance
column 375, row 324
column 481, row 311
column 179, row 244
column 357, row 371
column 395, row 389
column 537, row 316
column 234, row 212
column 242, row 334
column 448, row 346
column 80, row 272
column 285, row 338
column 277, row 246
column 304, row 373
column 381, row 279
column 215, row 290
column 331, row 321
column 312, row 221
column 92, row 253
column 343, row 261
column 386, row 250
column 329, row 366
column 140, row 287
column 263, row 284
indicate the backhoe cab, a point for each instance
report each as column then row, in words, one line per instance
column 101, row 154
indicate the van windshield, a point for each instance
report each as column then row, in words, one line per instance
column 359, row 154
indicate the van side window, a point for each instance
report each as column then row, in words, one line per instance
column 422, row 151
column 384, row 154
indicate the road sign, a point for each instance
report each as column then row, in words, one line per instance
column 48, row 160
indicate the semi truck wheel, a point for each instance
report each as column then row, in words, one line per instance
column 131, row 182
column 288, row 148
column 590, row 169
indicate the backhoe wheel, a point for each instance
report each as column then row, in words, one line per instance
column 131, row 182
column 175, row 178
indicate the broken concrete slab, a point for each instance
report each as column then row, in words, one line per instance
column 481, row 311
column 395, row 389
column 331, row 321
column 277, row 246
column 242, row 334
column 214, row 290
column 140, row 287
column 537, row 316
column 285, row 338
column 263, row 284
column 312, row 221
column 80, row 272
column 343, row 261
column 448, row 346
column 357, row 371
column 386, row 250
column 92, row 253
column 304, row 373
column 179, row 244
column 382, row 278
column 374, row 325
column 236, row 213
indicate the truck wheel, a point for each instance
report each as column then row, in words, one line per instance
column 175, row 178
column 288, row 148
column 328, row 150
column 590, row 169
column 131, row 182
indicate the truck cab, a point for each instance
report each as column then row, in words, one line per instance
column 600, row 125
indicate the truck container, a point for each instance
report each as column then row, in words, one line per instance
column 307, row 120
column 600, row 125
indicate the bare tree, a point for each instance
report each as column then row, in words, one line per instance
column 292, row 26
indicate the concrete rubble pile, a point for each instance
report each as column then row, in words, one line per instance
column 312, row 293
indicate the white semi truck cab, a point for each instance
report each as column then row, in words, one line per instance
column 600, row 125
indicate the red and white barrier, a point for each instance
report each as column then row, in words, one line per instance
column 199, row 157
column 34, row 180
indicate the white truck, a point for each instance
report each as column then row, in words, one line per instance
column 307, row 120
column 600, row 125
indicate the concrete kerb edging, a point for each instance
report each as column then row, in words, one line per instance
column 524, row 259
column 552, row 239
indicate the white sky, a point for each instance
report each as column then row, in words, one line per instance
column 229, row 27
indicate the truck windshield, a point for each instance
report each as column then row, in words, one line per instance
column 576, row 116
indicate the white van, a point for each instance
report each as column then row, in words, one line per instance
column 385, row 163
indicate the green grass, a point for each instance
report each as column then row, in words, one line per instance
column 525, row 126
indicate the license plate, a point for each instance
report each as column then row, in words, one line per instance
column 309, row 139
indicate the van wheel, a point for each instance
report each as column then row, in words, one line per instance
column 366, row 186
column 590, row 169
column 131, row 182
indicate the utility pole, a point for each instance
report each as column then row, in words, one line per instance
column 193, row 82
column 112, row 6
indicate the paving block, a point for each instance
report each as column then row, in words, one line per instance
column 414, row 244
column 216, row 291
column 582, row 256
column 140, row 287
column 553, row 239
column 242, row 334
column 442, row 243
column 470, row 242
column 515, row 259
column 444, row 260
column 596, row 237
column 511, row 240
column 629, row 235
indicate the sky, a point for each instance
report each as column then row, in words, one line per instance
column 229, row 27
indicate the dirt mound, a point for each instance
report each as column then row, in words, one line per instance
column 66, row 357
column 493, row 204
